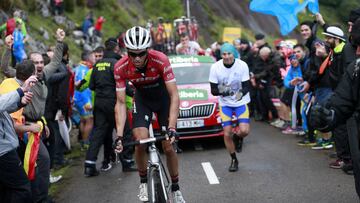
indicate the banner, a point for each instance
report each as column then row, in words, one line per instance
column 285, row 10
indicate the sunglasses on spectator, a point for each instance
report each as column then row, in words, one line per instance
column 134, row 55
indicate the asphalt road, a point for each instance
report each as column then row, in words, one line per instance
column 272, row 168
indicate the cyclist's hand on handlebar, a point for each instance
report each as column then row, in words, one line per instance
column 118, row 147
column 172, row 134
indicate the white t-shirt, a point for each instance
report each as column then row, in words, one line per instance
column 192, row 49
column 230, row 79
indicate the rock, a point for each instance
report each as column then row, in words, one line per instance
column 45, row 12
column 60, row 20
column 46, row 35
column 70, row 25
column 78, row 34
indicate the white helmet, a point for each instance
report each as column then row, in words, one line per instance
column 137, row 38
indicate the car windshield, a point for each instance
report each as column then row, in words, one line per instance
column 192, row 74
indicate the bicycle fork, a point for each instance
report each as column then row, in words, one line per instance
column 155, row 162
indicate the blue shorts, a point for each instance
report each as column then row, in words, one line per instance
column 241, row 113
column 80, row 106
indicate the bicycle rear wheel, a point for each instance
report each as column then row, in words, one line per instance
column 155, row 187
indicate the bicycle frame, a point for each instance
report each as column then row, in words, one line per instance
column 156, row 164
column 155, row 168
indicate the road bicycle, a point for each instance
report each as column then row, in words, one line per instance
column 158, row 184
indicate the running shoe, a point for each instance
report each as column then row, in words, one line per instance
column 106, row 167
column 338, row 164
column 143, row 193
column 54, row 179
column 177, row 197
column 276, row 122
column 323, row 144
column 306, row 143
column 234, row 166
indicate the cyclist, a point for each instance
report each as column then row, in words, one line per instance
column 229, row 79
column 156, row 91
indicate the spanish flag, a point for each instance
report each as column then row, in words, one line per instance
column 31, row 152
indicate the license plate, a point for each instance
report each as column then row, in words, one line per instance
column 190, row 124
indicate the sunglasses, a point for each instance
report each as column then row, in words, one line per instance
column 134, row 55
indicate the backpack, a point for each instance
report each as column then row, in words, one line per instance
column 10, row 26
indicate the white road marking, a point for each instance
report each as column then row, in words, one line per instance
column 210, row 173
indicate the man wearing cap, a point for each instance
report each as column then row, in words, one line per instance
column 229, row 79
column 342, row 59
column 327, row 77
column 344, row 107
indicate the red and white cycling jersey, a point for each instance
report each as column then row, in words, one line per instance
column 158, row 69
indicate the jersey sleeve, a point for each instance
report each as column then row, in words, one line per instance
column 245, row 71
column 213, row 77
column 119, row 78
column 167, row 71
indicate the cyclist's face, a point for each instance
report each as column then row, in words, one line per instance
column 138, row 57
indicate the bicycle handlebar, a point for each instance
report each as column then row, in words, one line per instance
column 145, row 141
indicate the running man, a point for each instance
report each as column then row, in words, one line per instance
column 156, row 91
column 229, row 79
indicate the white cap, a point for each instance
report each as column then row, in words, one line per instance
column 336, row 32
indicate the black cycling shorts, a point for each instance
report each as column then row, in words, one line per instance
column 144, row 108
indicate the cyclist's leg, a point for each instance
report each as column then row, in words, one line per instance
column 242, row 115
column 226, row 122
column 171, row 157
column 142, row 116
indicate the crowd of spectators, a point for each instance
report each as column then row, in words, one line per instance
column 286, row 80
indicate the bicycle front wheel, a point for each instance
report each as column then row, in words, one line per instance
column 156, row 187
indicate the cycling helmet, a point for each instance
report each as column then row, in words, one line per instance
column 137, row 38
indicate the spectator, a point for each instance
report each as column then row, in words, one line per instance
column 19, row 44
column 266, row 71
column 260, row 41
column 160, row 36
column 194, row 30
column 343, row 107
column 187, row 47
column 98, row 26
column 329, row 53
column 87, row 24
column 57, row 6
column 83, row 99
column 10, row 24
column 99, row 53
column 57, row 105
column 15, row 183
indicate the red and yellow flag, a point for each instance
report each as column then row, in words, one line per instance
column 31, row 153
